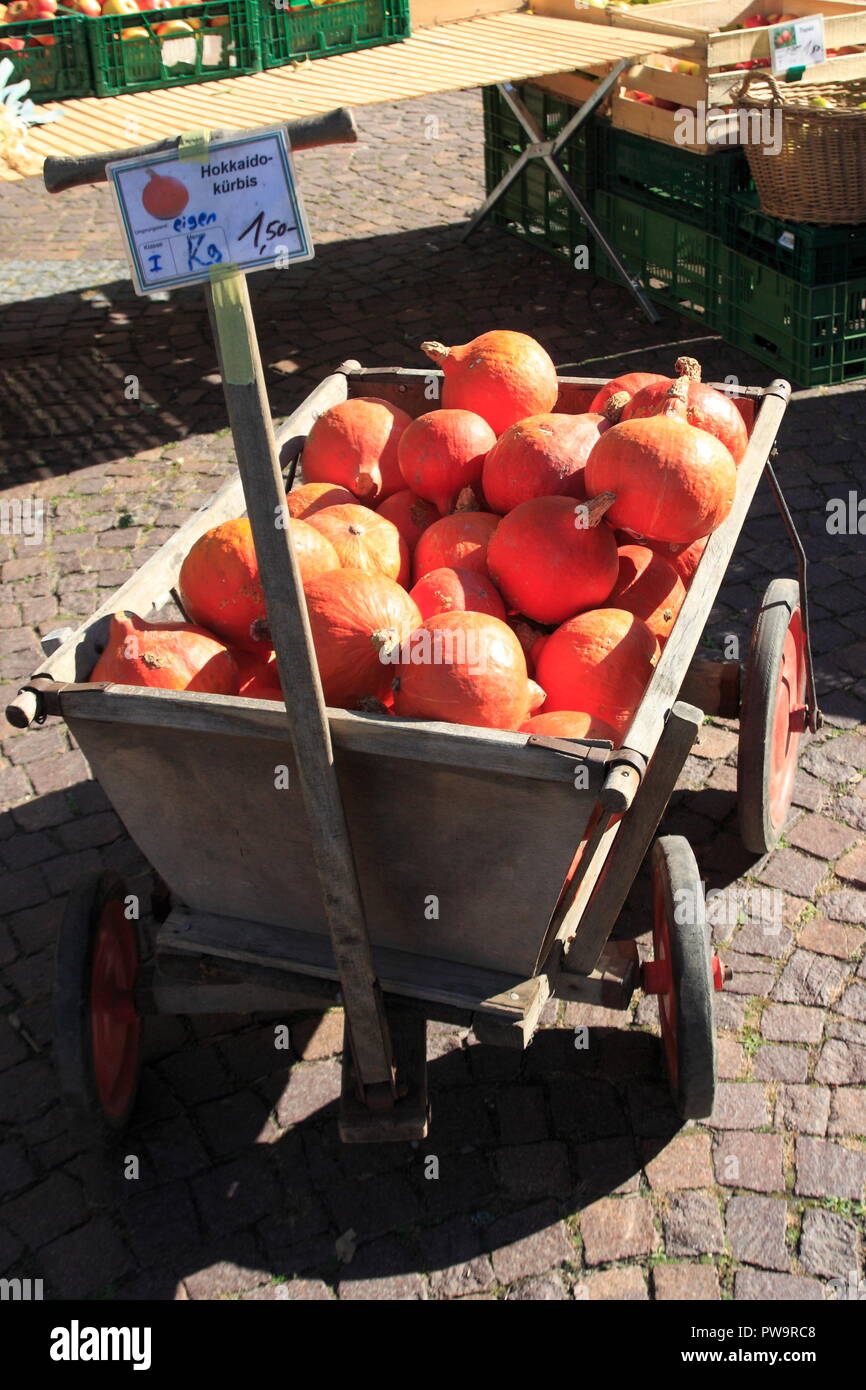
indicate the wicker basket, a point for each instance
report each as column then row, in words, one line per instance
column 819, row 173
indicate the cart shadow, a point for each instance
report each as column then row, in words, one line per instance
column 232, row 1207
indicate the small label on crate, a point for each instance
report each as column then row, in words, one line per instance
column 798, row 44
column 236, row 205
column 786, row 241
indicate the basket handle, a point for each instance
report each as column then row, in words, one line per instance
column 762, row 75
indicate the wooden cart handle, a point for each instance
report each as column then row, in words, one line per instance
column 335, row 127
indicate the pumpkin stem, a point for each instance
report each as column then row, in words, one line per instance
column 676, row 400
column 467, row 501
column 615, row 405
column 438, row 351
column 587, row 514
column 386, row 640
column 368, row 704
column 688, row 367
column 260, row 630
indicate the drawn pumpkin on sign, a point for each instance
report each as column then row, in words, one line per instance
column 164, row 197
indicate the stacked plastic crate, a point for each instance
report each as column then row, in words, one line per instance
column 792, row 295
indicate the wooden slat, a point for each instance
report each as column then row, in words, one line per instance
column 447, row 745
column 471, row 52
column 419, row 977
column 635, row 836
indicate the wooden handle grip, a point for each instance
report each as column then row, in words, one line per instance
column 335, row 127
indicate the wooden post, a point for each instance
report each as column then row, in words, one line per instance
column 249, row 415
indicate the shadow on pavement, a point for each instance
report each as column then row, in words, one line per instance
column 98, row 375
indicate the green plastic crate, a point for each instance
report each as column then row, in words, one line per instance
column 534, row 207
column 293, row 29
column 54, row 71
column 226, row 44
column 692, row 187
column 814, row 335
column 679, row 264
column 810, row 255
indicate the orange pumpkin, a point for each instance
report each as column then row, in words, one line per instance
column 259, row 678
column 457, row 591
column 502, row 376
column 547, row 565
column 600, row 662
column 219, row 579
column 464, row 668
column 364, row 540
column 354, row 444
column 359, row 623
column 443, row 452
column 629, row 382
column 649, row 587
column 312, row 497
column 706, row 408
column 410, row 514
column 569, row 723
column 541, row 456
column 166, row 656
column 458, row 542
column 672, row 482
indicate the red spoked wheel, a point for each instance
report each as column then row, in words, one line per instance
column 683, row 976
column 772, row 717
column 97, row 1029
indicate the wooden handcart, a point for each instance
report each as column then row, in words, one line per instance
column 489, row 868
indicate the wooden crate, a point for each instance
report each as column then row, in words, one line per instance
column 711, row 87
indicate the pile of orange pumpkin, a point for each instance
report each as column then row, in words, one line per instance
column 493, row 562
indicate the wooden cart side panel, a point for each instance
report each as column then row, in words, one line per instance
column 494, row 751
column 456, row 863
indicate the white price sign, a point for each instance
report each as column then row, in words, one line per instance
column 233, row 202
column 799, row 44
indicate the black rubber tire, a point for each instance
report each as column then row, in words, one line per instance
column 758, row 832
column 73, row 966
column 675, row 868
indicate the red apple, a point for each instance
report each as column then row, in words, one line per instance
column 91, row 8
column 15, row 44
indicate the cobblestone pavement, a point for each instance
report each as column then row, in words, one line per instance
column 563, row 1173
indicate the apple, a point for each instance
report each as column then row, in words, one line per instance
column 119, row 7
column 12, row 43
column 691, row 69
column 17, row 11
column 819, row 101
column 91, row 8
column 173, row 28
column 135, row 31
column 755, row 21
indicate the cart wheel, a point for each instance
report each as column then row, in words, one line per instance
column 96, row 1026
column 682, row 975
column 772, row 717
